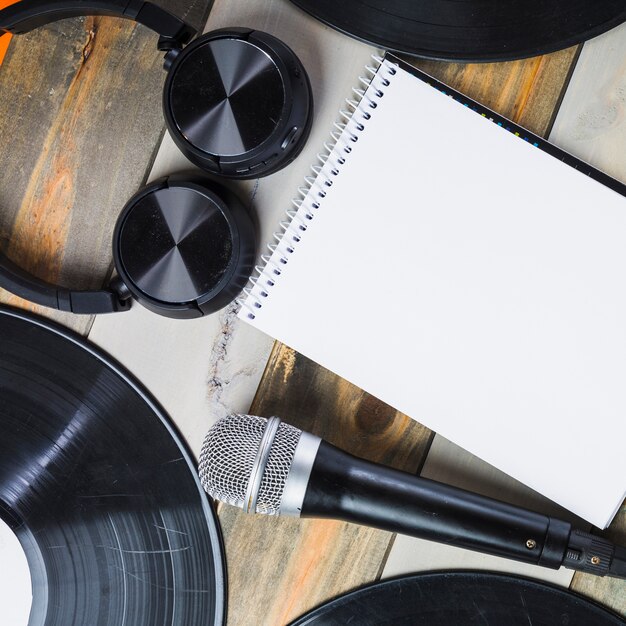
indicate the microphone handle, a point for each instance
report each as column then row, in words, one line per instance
column 345, row 487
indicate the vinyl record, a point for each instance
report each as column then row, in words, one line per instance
column 470, row 30
column 99, row 489
column 460, row 599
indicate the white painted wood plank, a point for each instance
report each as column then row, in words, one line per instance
column 203, row 369
column 199, row 370
column 591, row 123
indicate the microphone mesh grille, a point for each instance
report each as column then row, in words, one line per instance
column 228, row 455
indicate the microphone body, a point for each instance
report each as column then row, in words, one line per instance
column 345, row 487
column 279, row 470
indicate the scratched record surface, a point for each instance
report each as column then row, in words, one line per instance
column 460, row 599
column 99, row 489
column 470, row 30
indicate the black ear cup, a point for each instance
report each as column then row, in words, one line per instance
column 238, row 103
column 184, row 247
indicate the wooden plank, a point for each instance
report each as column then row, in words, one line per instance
column 305, row 562
column 526, row 92
column 592, row 125
column 592, row 119
column 199, row 370
column 80, row 114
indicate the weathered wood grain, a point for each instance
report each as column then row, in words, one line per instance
column 526, row 92
column 304, row 563
column 80, row 120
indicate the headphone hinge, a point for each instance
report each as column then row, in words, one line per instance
column 167, row 43
column 171, row 54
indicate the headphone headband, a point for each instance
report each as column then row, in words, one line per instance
column 30, row 14
column 184, row 247
column 22, row 284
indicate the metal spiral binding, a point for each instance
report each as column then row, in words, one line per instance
column 346, row 132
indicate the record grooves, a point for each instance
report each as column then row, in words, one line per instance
column 470, row 30
column 99, row 489
column 461, row 599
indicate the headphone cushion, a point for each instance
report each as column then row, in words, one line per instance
column 238, row 103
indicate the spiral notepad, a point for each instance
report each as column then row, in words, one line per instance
column 469, row 274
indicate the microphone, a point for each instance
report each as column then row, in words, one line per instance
column 266, row 466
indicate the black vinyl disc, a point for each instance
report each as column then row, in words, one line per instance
column 99, row 489
column 460, row 599
column 470, row 30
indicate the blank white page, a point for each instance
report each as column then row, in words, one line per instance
column 471, row 281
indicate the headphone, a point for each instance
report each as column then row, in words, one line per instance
column 238, row 104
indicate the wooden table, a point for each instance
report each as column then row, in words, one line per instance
column 80, row 124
